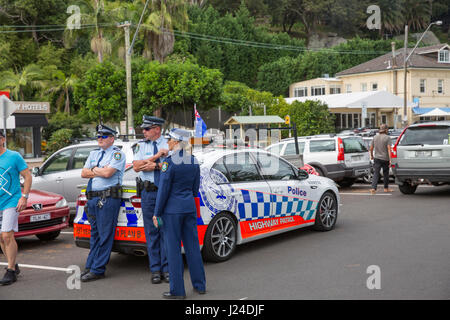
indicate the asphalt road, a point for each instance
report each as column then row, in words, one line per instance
column 398, row 244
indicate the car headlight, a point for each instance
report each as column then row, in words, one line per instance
column 61, row 203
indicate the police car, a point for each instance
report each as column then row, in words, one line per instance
column 244, row 195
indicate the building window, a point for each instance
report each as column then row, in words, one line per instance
column 337, row 120
column 440, row 86
column 301, row 92
column 21, row 140
column 422, row 85
column 444, row 56
column 356, row 117
column 318, row 91
column 348, row 88
column 335, row 89
column 363, row 87
column 374, row 86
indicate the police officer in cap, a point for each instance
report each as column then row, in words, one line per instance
column 104, row 168
column 175, row 213
column 148, row 156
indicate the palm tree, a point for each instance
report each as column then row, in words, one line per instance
column 164, row 17
column 97, row 18
column 63, row 85
column 417, row 14
column 31, row 76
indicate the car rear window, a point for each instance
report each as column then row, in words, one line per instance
column 275, row 148
column 322, row 146
column 432, row 135
column 354, row 145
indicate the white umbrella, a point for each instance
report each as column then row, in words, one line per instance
column 436, row 112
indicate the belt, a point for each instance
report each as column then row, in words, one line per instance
column 150, row 186
column 113, row 192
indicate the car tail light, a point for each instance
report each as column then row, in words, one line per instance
column 81, row 200
column 197, row 206
column 341, row 155
column 135, row 201
column 394, row 149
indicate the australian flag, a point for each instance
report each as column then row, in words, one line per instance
column 200, row 125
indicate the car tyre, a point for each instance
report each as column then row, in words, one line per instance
column 48, row 236
column 407, row 188
column 346, row 183
column 220, row 238
column 327, row 212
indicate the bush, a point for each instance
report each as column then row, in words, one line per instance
column 59, row 139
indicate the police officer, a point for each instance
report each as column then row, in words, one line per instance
column 175, row 213
column 147, row 161
column 104, row 167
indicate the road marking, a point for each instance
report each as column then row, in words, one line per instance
column 245, row 298
column 365, row 194
column 39, row 267
column 67, row 232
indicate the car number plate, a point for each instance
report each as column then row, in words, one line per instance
column 423, row 154
column 40, row 217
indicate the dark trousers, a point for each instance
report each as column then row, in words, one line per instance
column 182, row 227
column 154, row 236
column 103, row 223
column 377, row 165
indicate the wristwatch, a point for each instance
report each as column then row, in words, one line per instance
column 25, row 195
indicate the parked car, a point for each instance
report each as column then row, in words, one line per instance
column 340, row 158
column 244, row 195
column 46, row 215
column 61, row 172
column 421, row 155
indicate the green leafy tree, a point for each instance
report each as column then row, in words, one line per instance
column 311, row 117
column 277, row 76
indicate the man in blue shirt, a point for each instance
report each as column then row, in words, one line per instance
column 104, row 167
column 12, row 201
column 148, row 156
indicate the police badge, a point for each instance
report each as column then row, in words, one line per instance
column 117, row 156
column 164, row 167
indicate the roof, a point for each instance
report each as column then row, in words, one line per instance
column 419, row 59
column 254, row 120
column 422, row 111
column 370, row 99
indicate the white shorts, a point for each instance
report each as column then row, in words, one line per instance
column 9, row 220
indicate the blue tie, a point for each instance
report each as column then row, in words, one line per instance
column 89, row 186
column 156, row 172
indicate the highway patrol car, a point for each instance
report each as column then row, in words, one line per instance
column 244, row 195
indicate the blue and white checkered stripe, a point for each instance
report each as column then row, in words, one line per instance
column 128, row 216
column 256, row 205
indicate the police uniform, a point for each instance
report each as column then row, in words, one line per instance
column 149, row 183
column 104, row 201
column 175, row 205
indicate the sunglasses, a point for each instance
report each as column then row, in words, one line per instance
column 103, row 137
column 149, row 128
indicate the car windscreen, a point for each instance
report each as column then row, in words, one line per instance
column 354, row 145
column 432, row 135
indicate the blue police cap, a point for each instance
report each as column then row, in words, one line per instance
column 102, row 129
column 180, row 134
column 149, row 121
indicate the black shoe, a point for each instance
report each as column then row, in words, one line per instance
column 199, row 291
column 91, row 277
column 9, row 277
column 156, row 277
column 165, row 277
column 168, row 295
column 85, row 272
column 17, row 269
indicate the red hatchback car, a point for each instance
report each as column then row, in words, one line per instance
column 45, row 216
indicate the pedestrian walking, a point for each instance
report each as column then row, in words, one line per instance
column 148, row 156
column 381, row 144
column 104, row 168
column 175, row 213
column 12, row 201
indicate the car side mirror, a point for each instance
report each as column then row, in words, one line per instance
column 302, row 174
column 35, row 171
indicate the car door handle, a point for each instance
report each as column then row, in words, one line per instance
column 59, row 179
column 313, row 187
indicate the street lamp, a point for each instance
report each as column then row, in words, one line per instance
column 405, row 116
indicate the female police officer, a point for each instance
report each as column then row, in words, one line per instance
column 175, row 212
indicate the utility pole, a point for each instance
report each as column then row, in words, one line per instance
column 405, row 100
column 130, row 121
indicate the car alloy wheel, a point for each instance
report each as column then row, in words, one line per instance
column 327, row 212
column 220, row 240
